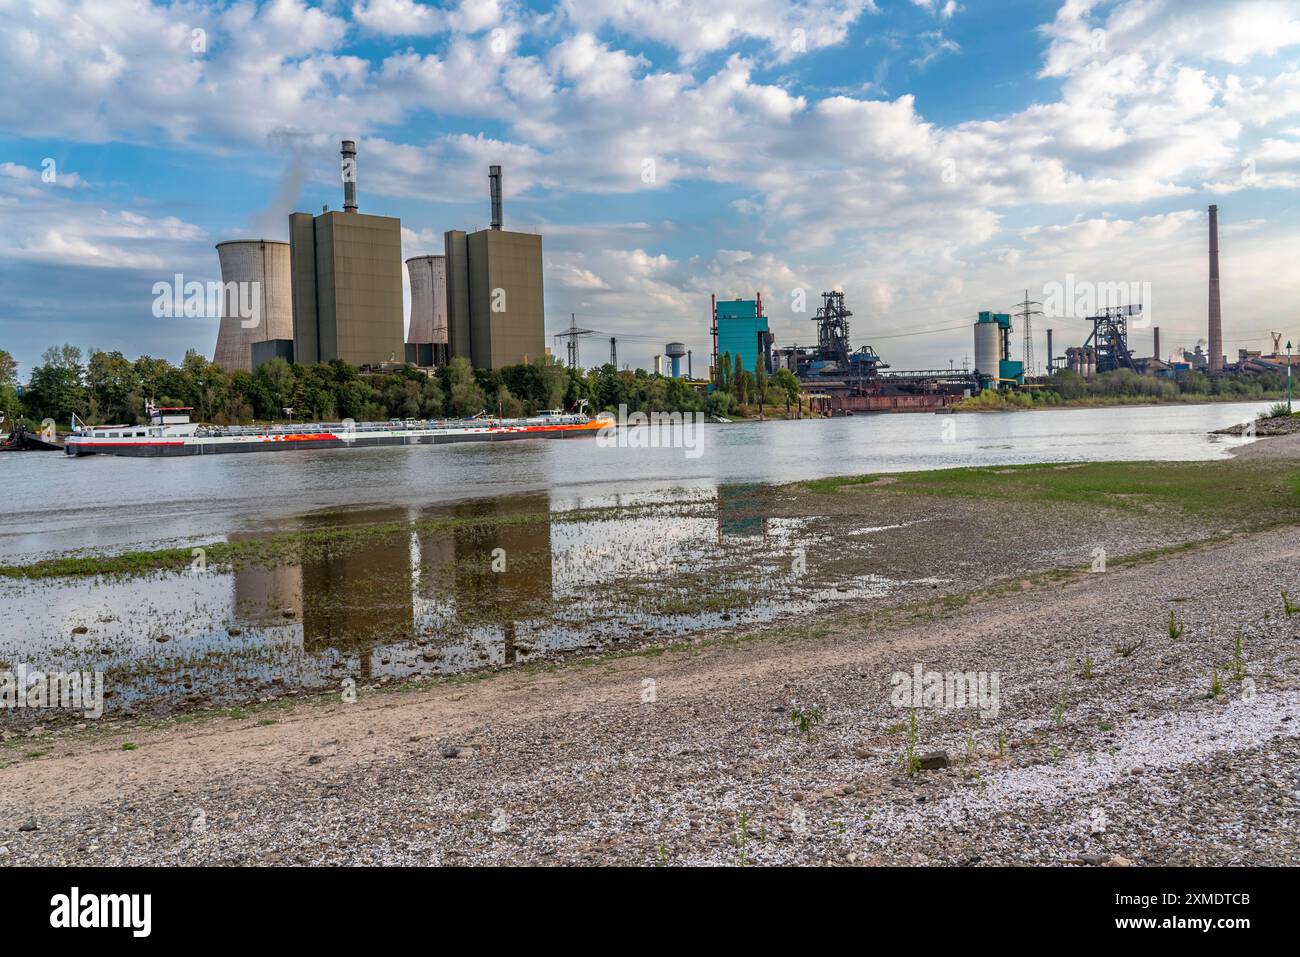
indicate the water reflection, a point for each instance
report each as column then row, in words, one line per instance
column 444, row 589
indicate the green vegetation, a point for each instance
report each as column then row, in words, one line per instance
column 1278, row 410
column 1238, row 659
column 805, row 721
column 911, row 760
column 107, row 387
column 1087, row 667
column 1175, row 628
column 1228, row 493
column 1125, row 387
column 1288, row 607
column 1216, row 685
column 1058, row 713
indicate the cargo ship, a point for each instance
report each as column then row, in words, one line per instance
column 170, row 432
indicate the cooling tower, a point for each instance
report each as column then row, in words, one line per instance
column 264, row 263
column 428, row 299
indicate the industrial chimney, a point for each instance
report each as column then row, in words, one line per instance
column 1156, row 353
column 1216, row 313
column 1049, row 351
column 349, row 176
column 494, row 180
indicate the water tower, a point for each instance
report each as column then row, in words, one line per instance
column 674, row 351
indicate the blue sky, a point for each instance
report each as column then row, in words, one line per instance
column 931, row 158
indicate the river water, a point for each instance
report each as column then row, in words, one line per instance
column 495, row 561
column 56, row 504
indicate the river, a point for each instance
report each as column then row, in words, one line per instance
column 57, row 504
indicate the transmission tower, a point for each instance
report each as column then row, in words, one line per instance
column 573, row 334
column 1026, row 314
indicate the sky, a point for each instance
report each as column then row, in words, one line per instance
column 931, row 158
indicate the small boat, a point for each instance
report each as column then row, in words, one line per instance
column 171, row 432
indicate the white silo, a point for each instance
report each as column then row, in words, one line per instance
column 259, row 268
column 987, row 349
column 428, row 299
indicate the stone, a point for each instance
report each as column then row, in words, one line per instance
column 934, row 760
column 29, row 825
column 80, row 630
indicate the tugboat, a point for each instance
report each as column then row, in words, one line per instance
column 171, row 432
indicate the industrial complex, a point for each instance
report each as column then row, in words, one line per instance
column 334, row 291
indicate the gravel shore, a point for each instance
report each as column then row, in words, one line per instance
column 1106, row 746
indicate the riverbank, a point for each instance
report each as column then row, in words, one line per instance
column 1006, row 402
column 783, row 743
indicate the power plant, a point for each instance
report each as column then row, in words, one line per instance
column 334, row 291
column 262, row 266
column 495, row 303
column 347, row 281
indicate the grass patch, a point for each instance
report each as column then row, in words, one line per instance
column 1246, row 495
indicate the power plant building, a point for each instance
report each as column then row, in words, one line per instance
column 740, row 328
column 259, row 270
column 347, row 282
column 495, row 304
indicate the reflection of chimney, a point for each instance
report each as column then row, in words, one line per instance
column 1156, row 348
column 494, row 180
column 1216, row 313
column 349, row 176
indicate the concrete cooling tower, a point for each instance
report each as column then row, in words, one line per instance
column 266, row 263
column 428, row 299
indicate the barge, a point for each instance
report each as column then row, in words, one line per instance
column 171, row 432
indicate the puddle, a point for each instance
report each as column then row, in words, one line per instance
column 512, row 581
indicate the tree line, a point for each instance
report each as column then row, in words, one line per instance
column 107, row 387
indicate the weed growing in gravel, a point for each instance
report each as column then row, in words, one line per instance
column 1238, row 659
column 1287, row 607
column 911, row 760
column 1087, row 668
column 663, row 856
column 1216, row 685
column 1106, row 726
column 742, row 839
column 805, row 721
column 1058, row 713
column 1175, row 629
column 970, row 747
column 1002, row 744
column 129, row 746
column 1129, row 648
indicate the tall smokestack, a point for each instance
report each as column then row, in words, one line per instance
column 1049, row 351
column 1216, row 312
column 1156, row 348
column 494, row 180
column 349, row 176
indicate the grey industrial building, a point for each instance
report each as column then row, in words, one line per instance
column 347, row 282
column 495, row 305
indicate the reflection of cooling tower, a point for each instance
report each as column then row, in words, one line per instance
column 428, row 299
column 265, row 265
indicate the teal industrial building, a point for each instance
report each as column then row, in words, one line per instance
column 740, row 330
